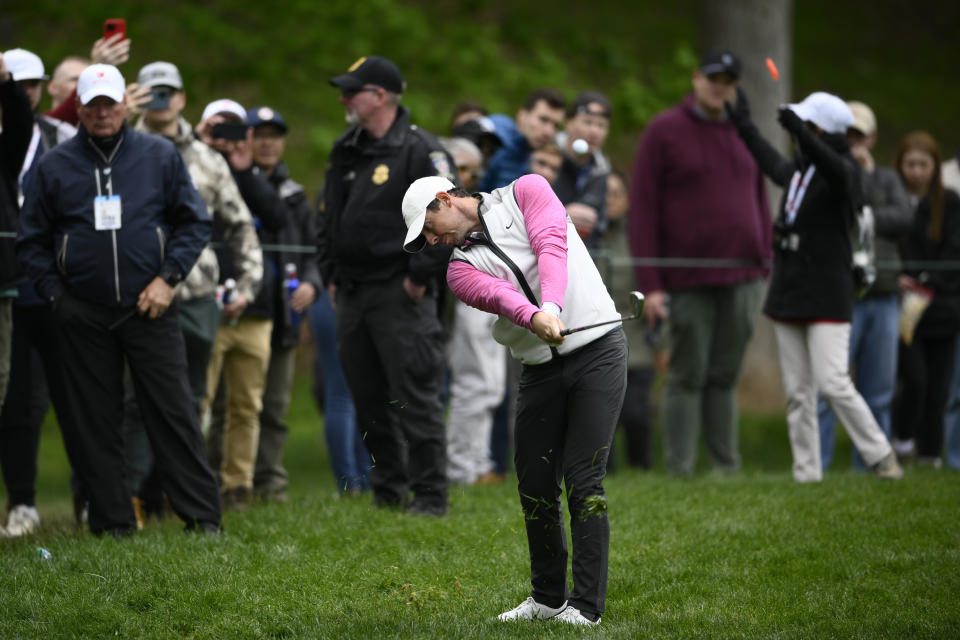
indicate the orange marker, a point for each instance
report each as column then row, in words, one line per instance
column 772, row 68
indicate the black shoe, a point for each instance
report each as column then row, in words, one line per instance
column 427, row 509
column 381, row 501
column 237, row 499
column 205, row 528
column 119, row 533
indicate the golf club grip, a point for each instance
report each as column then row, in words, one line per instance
column 567, row 332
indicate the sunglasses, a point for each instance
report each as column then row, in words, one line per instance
column 350, row 93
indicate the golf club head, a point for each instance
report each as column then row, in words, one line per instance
column 636, row 303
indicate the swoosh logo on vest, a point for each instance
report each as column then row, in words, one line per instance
column 509, row 225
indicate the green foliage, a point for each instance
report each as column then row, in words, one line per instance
column 641, row 54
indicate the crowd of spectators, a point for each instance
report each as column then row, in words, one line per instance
column 163, row 274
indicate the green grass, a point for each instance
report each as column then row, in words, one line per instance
column 748, row 556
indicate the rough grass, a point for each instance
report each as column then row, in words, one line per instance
column 747, row 556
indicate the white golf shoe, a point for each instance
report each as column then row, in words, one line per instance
column 23, row 520
column 530, row 609
column 572, row 615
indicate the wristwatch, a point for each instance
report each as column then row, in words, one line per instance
column 171, row 275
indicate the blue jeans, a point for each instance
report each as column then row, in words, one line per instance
column 348, row 457
column 951, row 419
column 873, row 354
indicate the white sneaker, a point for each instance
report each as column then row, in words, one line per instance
column 23, row 520
column 530, row 609
column 572, row 615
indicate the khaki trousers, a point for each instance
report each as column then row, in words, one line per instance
column 241, row 353
column 814, row 358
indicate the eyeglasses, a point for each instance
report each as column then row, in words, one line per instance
column 351, row 93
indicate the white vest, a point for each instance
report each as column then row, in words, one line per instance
column 508, row 256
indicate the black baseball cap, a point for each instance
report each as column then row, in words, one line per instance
column 374, row 70
column 720, row 61
column 586, row 98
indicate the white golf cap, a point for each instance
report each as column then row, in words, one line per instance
column 100, row 80
column 224, row 105
column 24, row 65
column 160, row 74
column 419, row 194
column 825, row 110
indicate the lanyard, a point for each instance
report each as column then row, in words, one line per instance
column 798, row 189
column 28, row 160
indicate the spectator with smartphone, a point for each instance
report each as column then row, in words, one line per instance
column 241, row 350
column 110, row 280
column 113, row 50
column 295, row 283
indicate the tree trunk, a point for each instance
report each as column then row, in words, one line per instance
column 756, row 30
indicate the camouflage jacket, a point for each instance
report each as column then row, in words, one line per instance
column 211, row 175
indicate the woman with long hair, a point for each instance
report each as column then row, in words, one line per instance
column 926, row 362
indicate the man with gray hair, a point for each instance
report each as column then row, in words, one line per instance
column 110, row 226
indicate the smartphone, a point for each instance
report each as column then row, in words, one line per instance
column 229, row 131
column 159, row 99
column 113, row 26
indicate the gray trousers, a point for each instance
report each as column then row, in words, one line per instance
column 269, row 476
column 709, row 331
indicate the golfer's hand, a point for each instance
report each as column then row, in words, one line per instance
column 4, row 73
column 155, row 299
column 414, row 290
column 547, row 328
column 654, row 308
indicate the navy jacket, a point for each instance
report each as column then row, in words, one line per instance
column 164, row 223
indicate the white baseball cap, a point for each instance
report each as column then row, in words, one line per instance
column 825, row 110
column 100, row 80
column 24, row 65
column 224, row 105
column 419, row 194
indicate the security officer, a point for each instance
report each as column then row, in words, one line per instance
column 391, row 341
column 110, row 225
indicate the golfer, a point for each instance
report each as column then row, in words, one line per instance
column 517, row 255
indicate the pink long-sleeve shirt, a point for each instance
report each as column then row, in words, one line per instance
column 545, row 219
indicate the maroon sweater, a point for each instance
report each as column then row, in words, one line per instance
column 697, row 193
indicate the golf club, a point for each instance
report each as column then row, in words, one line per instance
column 636, row 303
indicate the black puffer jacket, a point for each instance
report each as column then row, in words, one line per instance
column 812, row 269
